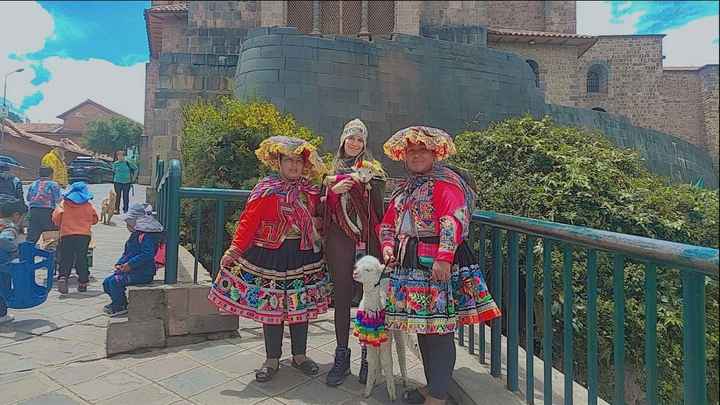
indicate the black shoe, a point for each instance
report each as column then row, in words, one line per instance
column 363, row 367
column 340, row 369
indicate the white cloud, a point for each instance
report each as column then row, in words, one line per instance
column 24, row 27
column 594, row 18
column 692, row 45
column 118, row 88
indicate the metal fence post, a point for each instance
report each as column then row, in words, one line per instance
column 172, row 217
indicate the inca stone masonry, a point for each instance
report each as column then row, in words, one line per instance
column 451, row 64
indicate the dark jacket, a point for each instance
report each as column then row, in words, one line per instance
column 140, row 251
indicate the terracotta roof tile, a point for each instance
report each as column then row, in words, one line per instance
column 12, row 129
column 521, row 33
column 39, row 127
column 169, row 8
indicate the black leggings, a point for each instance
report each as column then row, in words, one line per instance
column 122, row 189
column 274, row 335
column 438, row 357
column 73, row 251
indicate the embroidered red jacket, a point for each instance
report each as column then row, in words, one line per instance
column 436, row 208
column 266, row 221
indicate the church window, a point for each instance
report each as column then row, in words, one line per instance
column 597, row 79
column 536, row 71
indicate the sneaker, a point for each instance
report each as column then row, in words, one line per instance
column 82, row 287
column 362, row 378
column 340, row 369
column 62, row 286
column 108, row 310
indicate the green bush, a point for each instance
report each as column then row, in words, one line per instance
column 218, row 150
column 537, row 169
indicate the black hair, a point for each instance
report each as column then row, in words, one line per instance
column 45, row 171
column 10, row 205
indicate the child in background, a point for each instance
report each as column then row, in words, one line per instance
column 75, row 216
column 12, row 212
column 137, row 263
column 42, row 197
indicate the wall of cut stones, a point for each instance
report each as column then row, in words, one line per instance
column 199, row 56
column 389, row 84
column 664, row 154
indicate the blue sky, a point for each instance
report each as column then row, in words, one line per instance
column 73, row 50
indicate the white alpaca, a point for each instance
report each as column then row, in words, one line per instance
column 368, row 271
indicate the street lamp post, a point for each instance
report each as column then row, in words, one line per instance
column 4, row 109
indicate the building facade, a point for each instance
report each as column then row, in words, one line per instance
column 198, row 50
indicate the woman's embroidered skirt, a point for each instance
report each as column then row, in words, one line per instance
column 273, row 286
column 416, row 304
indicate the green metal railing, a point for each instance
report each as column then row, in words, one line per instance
column 695, row 264
column 169, row 195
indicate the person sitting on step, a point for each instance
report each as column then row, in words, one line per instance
column 137, row 263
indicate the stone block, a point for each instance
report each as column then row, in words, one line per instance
column 259, row 76
column 297, row 77
column 192, row 325
column 126, row 336
column 198, row 303
column 260, row 64
column 301, row 40
column 270, row 51
column 146, row 302
column 265, row 40
column 300, row 52
column 177, row 301
column 330, row 55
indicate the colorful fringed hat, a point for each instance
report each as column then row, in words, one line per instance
column 271, row 148
column 434, row 139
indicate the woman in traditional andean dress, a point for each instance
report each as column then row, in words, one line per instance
column 274, row 271
column 436, row 284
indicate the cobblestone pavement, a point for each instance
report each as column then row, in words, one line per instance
column 55, row 354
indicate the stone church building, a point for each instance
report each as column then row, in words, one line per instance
column 451, row 64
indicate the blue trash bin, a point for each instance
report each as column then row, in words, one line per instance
column 22, row 291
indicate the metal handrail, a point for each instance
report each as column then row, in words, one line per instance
column 686, row 257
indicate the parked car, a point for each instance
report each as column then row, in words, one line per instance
column 10, row 160
column 90, row 170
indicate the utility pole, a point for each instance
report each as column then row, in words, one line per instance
column 4, row 112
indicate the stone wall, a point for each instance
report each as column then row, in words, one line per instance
column 709, row 99
column 558, row 66
column 560, row 16
column 665, row 154
column 634, row 65
column 389, row 84
column 681, row 98
column 519, row 15
column 553, row 16
column 198, row 61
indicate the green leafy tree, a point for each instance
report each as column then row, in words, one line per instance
column 218, row 150
column 575, row 176
column 112, row 134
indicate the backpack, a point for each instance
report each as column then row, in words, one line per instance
column 159, row 253
column 7, row 185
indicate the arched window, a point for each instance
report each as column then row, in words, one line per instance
column 598, row 109
column 597, row 78
column 536, row 71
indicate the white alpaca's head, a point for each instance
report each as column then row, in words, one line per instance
column 367, row 271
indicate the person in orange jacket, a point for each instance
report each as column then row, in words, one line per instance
column 74, row 216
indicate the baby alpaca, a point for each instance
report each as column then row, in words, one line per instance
column 370, row 327
column 108, row 207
